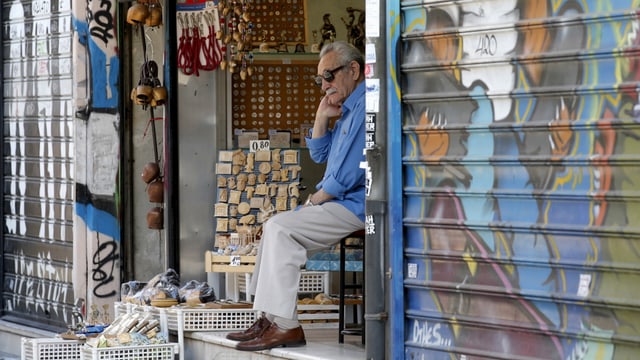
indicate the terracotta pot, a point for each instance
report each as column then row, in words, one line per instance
column 150, row 172
column 155, row 218
column 155, row 191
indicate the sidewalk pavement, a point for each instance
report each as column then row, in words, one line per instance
column 5, row 356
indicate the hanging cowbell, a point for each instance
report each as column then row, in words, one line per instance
column 155, row 15
column 159, row 93
column 137, row 14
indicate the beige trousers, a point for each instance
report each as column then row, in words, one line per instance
column 286, row 239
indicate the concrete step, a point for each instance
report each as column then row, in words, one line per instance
column 322, row 344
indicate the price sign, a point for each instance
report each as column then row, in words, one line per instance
column 234, row 260
column 259, row 145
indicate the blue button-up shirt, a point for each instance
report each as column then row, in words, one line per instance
column 342, row 149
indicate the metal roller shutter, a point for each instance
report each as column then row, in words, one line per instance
column 37, row 162
column 520, row 155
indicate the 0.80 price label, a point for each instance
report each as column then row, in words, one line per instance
column 259, row 145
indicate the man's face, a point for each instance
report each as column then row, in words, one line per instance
column 343, row 82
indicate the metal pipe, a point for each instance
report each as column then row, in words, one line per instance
column 375, row 316
column 172, row 200
column 376, row 288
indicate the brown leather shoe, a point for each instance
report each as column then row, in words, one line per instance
column 272, row 337
column 252, row 332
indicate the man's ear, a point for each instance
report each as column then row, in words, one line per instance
column 355, row 69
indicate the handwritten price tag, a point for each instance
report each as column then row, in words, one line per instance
column 234, row 260
column 259, row 145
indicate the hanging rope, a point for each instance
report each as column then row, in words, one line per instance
column 185, row 53
column 200, row 45
column 210, row 47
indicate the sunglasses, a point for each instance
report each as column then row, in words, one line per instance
column 327, row 75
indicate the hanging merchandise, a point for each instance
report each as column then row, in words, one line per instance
column 212, row 36
column 155, row 14
column 150, row 93
column 145, row 12
column 137, row 13
column 185, row 52
column 151, row 175
column 155, row 218
column 237, row 33
column 198, row 47
column 149, row 90
column 155, row 191
column 211, row 48
column 150, row 172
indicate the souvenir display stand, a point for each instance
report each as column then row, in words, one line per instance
column 252, row 185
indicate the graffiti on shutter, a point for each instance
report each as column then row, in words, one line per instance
column 520, row 156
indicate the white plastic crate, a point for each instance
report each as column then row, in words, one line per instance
column 316, row 316
column 181, row 320
column 314, row 282
column 194, row 319
column 141, row 352
column 311, row 282
column 50, row 349
column 210, row 319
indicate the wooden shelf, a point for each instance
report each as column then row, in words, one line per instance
column 229, row 263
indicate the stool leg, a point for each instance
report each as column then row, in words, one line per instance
column 355, row 318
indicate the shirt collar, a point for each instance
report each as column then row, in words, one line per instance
column 354, row 97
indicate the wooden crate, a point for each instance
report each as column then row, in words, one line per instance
column 228, row 263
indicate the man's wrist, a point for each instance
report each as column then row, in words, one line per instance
column 309, row 202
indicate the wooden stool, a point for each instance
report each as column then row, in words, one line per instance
column 357, row 327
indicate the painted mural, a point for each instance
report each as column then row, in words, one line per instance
column 97, row 227
column 520, row 152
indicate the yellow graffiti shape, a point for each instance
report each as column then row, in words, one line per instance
column 434, row 142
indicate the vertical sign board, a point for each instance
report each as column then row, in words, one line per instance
column 38, row 161
column 520, row 156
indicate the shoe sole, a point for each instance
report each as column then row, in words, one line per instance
column 293, row 344
column 240, row 339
